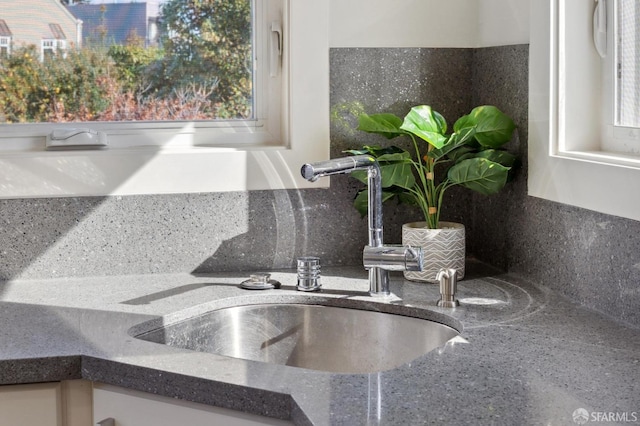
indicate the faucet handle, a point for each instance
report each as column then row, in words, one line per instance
column 393, row 258
column 448, row 278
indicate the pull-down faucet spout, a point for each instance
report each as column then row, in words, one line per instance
column 313, row 171
column 377, row 258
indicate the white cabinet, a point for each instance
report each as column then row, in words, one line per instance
column 26, row 405
column 65, row 403
column 132, row 408
column 82, row 403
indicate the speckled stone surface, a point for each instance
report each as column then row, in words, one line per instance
column 94, row 236
column 590, row 257
column 525, row 355
column 64, row 237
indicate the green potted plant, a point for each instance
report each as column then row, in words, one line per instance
column 471, row 156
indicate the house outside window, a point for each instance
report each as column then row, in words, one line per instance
column 28, row 22
column 5, row 39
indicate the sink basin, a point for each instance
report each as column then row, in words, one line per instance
column 316, row 337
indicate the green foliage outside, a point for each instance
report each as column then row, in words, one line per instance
column 209, row 42
column 202, row 71
column 132, row 62
column 67, row 90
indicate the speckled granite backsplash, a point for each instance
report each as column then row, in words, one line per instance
column 590, row 257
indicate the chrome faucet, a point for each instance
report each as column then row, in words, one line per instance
column 377, row 258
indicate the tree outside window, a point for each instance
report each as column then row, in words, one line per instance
column 201, row 70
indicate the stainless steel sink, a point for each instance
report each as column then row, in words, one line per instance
column 316, row 337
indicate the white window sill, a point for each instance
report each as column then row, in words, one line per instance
column 151, row 171
column 28, row 171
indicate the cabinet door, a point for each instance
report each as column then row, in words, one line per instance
column 65, row 403
column 34, row 404
column 132, row 408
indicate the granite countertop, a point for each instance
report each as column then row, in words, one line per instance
column 525, row 354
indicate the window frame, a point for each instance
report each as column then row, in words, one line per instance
column 615, row 137
column 152, row 157
column 53, row 45
column 566, row 162
column 5, row 43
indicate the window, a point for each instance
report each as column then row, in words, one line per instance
column 570, row 155
column 191, row 156
column 50, row 47
column 621, row 75
column 202, row 68
column 5, row 46
column 5, row 39
column 627, row 62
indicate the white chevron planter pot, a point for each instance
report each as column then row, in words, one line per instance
column 442, row 248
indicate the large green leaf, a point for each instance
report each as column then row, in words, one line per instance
column 360, row 175
column 361, row 202
column 462, row 153
column 427, row 124
column 479, row 174
column 463, row 122
column 393, row 174
column 376, row 150
column 394, row 157
column 387, row 125
column 394, row 162
column 456, row 140
column 493, row 128
column 398, row 174
column 497, row 156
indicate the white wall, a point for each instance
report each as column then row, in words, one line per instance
column 503, row 22
column 428, row 23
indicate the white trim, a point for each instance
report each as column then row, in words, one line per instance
column 562, row 167
column 185, row 165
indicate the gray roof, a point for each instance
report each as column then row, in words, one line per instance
column 4, row 29
column 119, row 19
